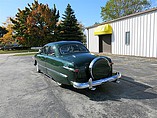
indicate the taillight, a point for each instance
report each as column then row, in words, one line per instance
column 76, row 70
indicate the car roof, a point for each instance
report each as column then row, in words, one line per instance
column 59, row 43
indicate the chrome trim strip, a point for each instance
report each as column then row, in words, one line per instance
column 63, row 75
column 96, row 82
column 68, row 68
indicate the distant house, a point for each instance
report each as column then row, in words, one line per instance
column 134, row 34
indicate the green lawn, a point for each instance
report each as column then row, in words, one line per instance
column 25, row 54
column 16, row 51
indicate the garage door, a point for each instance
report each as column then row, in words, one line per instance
column 105, row 43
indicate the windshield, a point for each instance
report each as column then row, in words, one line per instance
column 72, row 48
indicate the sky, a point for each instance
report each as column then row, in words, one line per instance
column 86, row 11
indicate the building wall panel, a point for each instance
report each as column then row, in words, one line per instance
column 132, row 37
column 112, row 41
column 155, row 35
column 139, row 31
column 151, row 34
column 143, row 36
column 148, row 35
column 94, row 41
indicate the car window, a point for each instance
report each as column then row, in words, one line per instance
column 72, row 48
column 51, row 51
column 44, row 50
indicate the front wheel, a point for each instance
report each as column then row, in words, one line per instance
column 37, row 67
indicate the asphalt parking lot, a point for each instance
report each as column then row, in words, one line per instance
column 24, row 93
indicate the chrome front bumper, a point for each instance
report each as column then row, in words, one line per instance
column 90, row 84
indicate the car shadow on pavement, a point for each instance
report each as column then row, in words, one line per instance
column 128, row 88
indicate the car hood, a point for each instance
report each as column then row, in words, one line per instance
column 79, row 59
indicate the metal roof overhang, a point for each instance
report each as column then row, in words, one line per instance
column 103, row 29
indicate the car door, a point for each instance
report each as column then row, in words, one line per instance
column 55, row 67
column 42, row 58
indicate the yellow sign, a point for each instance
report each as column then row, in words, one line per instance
column 103, row 29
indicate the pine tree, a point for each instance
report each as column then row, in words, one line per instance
column 70, row 30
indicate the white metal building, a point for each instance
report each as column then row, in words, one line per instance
column 135, row 35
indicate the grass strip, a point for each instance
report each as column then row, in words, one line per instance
column 25, row 54
column 16, row 51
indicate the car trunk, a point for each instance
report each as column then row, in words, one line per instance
column 101, row 69
column 79, row 59
column 81, row 62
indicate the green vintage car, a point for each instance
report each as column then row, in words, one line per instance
column 70, row 63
